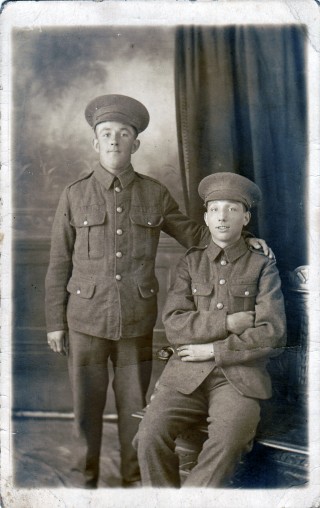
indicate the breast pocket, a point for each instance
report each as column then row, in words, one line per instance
column 202, row 293
column 146, row 227
column 243, row 296
column 90, row 231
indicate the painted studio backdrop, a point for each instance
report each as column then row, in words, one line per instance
column 220, row 99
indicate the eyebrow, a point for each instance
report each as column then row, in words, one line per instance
column 109, row 129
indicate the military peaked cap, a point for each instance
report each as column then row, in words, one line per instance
column 229, row 186
column 117, row 108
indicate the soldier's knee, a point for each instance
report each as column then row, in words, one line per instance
column 150, row 430
column 153, row 433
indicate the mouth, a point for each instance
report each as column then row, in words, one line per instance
column 222, row 228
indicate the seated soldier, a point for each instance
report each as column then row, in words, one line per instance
column 225, row 318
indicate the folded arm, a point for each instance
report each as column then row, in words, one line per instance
column 187, row 327
column 236, row 323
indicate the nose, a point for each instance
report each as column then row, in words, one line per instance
column 222, row 216
column 114, row 139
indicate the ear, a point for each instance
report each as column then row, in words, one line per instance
column 247, row 217
column 205, row 218
column 135, row 145
column 95, row 144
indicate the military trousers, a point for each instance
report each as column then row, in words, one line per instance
column 232, row 423
column 89, row 376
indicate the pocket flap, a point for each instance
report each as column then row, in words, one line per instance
column 244, row 290
column 146, row 219
column 148, row 289
column 86, row 216
column 202, row 288
column 83, row 289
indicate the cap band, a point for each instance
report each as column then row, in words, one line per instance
column 231, row 194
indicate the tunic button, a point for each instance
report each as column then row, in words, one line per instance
column 247, row 293
column 194, row 291
column 118, row 277
column 119, row 254
column 219, row 306
column 151, row 290
column 119, row 209
column 117, row 189
column 78, row 291
column 222, row 281
column 149, row 223
column 223, row 262
column 85, row 223
column 119, row 231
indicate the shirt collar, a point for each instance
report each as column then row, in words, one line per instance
column 106, row 178
column 231, row 253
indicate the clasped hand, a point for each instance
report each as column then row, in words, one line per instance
column 236, row 323
column 195, row 352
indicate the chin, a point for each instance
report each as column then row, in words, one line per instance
column 222, row 237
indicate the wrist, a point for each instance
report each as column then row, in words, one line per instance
column 229, row 323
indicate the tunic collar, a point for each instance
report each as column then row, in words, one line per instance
column 107, row 179
column 231, row 253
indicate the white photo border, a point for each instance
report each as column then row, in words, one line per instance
column 37, row 16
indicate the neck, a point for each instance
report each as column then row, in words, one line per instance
column 224, row 245
column 114, row 170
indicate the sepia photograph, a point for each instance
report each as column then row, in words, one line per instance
column 159, row 268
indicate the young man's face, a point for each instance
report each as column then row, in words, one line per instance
column 115, row 142
column 225, row 220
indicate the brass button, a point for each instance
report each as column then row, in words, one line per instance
column 119, row 231
column 118, row 277
column 223, row 262
column 194, row 290
column 85, row 223
column 151, row 290
column 119, row 254
column 119, row 209
column 247, row 293
column 222, row 281
column 220, row 306
column 117, row 189
column 149, row 223
column 78, row 291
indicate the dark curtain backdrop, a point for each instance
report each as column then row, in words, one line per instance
column 241, row 107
